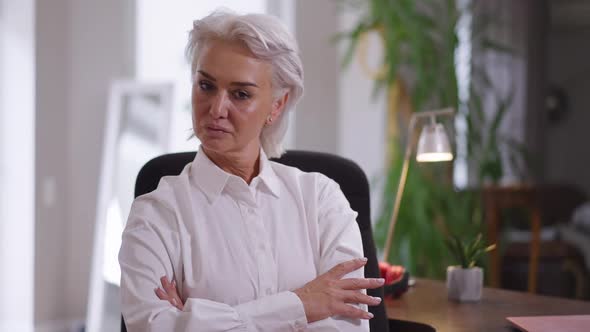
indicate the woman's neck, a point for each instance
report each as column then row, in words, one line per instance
column 245, row 164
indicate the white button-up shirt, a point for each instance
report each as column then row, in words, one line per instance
column 236, row 251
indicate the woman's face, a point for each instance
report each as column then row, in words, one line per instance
column 232, row 98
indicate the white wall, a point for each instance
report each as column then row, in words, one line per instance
column 338, row 113
column 17, row 125
column 82, row 46
column 51, row 223
column 101, row 48
column 363, row 116
column 317, row 114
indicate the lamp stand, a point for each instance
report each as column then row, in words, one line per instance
column 400, row 187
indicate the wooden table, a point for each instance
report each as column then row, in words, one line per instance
column 427, row 302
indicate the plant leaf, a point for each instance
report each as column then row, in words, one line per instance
column 490, row 248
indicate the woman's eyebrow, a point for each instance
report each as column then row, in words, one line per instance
column 209, row 77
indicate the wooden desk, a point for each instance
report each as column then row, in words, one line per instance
column 427, row 302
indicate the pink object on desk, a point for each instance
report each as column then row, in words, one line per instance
column 580, row 323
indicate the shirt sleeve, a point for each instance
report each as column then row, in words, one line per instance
column 340, row 241
column 147, row 254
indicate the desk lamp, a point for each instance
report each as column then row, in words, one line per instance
column 433, row 146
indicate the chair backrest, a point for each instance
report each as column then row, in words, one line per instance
column 346, row 173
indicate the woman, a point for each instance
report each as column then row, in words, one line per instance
column 237, row 242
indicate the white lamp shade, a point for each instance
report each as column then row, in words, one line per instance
column 433, row 144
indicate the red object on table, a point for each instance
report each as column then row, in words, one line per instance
column 391, row 273
column 396, row 277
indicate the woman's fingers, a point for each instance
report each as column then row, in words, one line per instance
column 361, row 283
column 178, row 304
column 168, row 286
column 355, row 297
column 350, row 311
column 342, row 269
column 170, row 293
column 162, row 294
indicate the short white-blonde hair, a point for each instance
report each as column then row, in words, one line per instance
column 269, row 40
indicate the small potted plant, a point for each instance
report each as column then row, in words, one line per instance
column 465, row 281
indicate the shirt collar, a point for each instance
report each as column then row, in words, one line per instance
column 268, row 175
column 213, row 180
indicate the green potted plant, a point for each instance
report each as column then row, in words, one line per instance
column 465, row 281
column 418, row 72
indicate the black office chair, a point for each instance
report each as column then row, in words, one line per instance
column 354, row 185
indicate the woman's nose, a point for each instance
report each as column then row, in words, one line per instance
column 219, row 105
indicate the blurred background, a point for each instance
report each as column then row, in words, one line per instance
column 90, row 90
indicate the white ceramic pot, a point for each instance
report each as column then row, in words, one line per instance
column 464, row 284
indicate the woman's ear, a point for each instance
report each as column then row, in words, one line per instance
column 278, row 105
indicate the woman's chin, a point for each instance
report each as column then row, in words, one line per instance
column 215, row 145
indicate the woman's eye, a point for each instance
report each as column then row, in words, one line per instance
column 241, row 95
column 205, row 86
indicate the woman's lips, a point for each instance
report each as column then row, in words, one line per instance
column 216, row 131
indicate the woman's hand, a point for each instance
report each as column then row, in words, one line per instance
column 328, row 295
column 169, row 293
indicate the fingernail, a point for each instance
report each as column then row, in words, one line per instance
column 378, row 299
column 174, row 283
column 174, row 301
column 364, row 259
column 380, row 281
column 370, row 315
